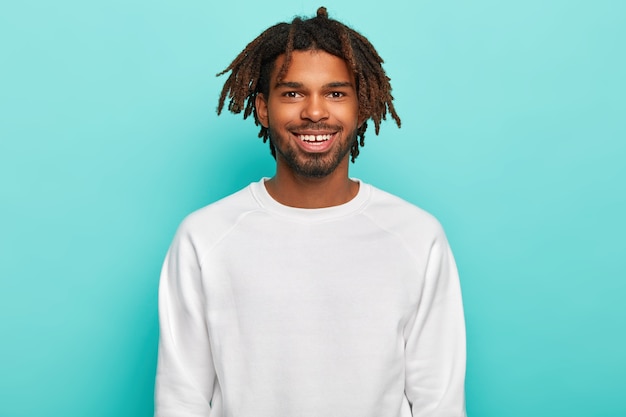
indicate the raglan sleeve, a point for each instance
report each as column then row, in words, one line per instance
column 185, row 374
column 435, row 351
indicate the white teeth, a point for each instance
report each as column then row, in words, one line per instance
column 314, row 138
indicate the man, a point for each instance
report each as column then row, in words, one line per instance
column 310, row 294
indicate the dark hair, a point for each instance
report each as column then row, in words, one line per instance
column 252, row 68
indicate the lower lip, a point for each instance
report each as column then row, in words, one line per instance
column 316, row 147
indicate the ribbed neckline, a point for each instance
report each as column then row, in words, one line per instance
column 311, row 215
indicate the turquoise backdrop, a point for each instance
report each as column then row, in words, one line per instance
column 514, row 136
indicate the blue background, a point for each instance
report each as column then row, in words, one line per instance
column 513, row 136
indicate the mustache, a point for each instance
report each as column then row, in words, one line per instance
column 314, row 126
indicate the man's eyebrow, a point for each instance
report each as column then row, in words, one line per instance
column 288, row 84
column 339, row 84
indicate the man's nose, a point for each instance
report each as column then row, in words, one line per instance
column 315, row 109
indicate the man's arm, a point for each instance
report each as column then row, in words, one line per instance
column 185, row 371
column 435, row 341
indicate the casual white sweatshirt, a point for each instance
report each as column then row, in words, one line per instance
column 272, row 311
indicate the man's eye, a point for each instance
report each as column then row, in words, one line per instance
column 337, row 94
column 291, row 94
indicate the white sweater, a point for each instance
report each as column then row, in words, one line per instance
column 272, row 311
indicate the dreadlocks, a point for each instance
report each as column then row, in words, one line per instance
column 251, row 69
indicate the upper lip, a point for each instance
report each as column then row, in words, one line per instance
column 314, row 132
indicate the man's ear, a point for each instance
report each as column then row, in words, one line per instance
column 260, row 103
column 362, row 119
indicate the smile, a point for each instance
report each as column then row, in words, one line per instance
column 314, row 138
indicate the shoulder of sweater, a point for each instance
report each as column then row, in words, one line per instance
column 208, row 224
column 401, row 217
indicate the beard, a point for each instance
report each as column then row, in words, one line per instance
column 312, row 165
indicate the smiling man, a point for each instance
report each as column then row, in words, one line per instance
column 310, row 293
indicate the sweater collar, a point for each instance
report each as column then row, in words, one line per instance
column 266, row 201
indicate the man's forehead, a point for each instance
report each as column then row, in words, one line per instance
column 312, row 61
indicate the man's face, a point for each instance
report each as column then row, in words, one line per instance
column 311, row 114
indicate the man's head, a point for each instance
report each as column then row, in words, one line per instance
column 252, row 69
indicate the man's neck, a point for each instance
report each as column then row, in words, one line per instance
column 298, row 191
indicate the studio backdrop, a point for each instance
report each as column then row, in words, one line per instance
column 513, row 135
